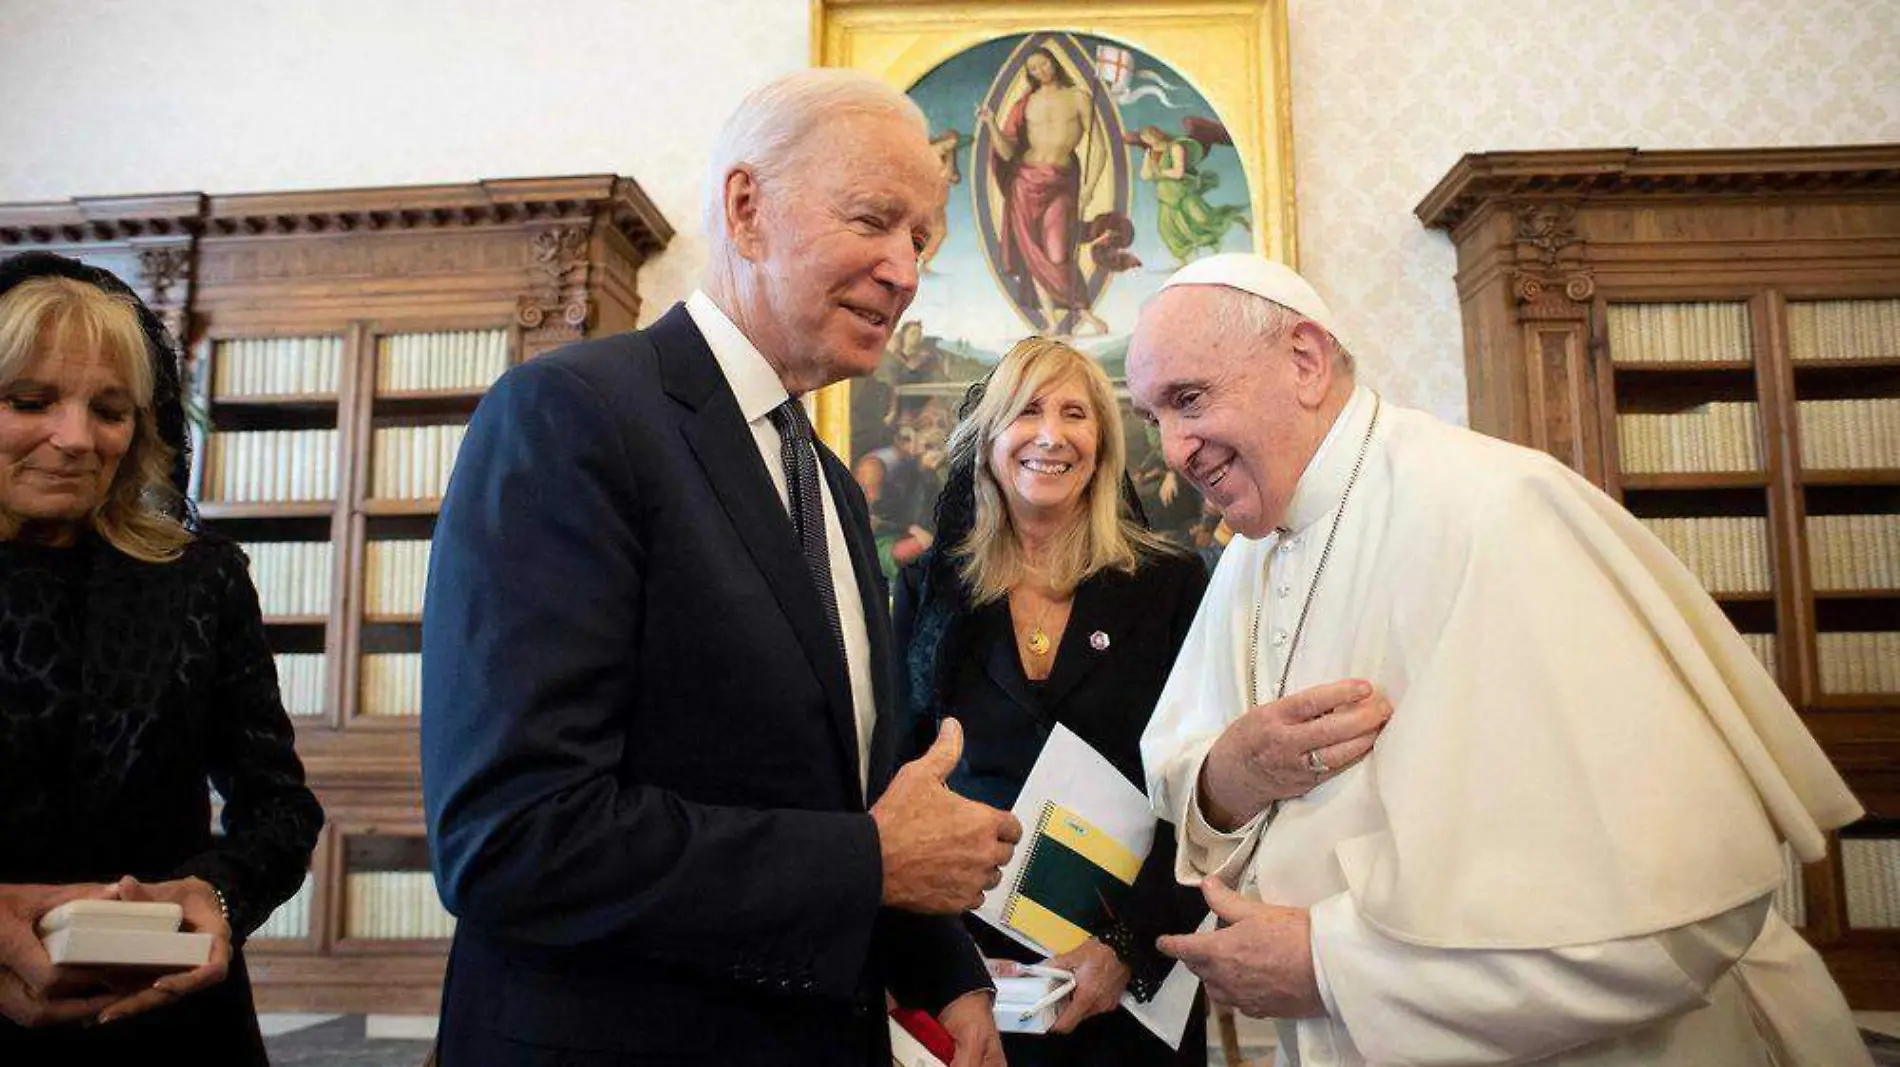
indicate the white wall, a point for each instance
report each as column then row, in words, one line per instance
column 123, row 96
column 1388, row 95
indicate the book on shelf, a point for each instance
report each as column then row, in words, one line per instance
column 392, row 684
column 1720, row 436
column 291, row 920
column 292, row 577
column 1763, row 646
column 1843, row 329
column 1686, row 333
column 271, row 466
column 394, row 905
column 1859, row 662
column 1850, row 552
column 1859, row 434
column 445, row 360
column 302, row 679
column 395, row 576
column 1872, row 870
column 414, row 462
column 276, row 366
column 1727, row 554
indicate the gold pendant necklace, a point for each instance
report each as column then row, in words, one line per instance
column 1037, row 640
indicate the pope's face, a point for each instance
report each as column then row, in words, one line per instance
column 1226, row 407
column 835, row 248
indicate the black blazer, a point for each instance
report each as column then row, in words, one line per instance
column 1115, row 656
column 639, row 757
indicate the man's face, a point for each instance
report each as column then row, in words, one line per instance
column 834, row 246
column 1227, row 407
column 1040, row 69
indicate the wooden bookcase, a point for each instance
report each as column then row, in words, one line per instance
column 1714, row 338
column 350, row 319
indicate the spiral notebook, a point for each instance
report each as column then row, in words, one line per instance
column 1072, row 882
column 1089, row 830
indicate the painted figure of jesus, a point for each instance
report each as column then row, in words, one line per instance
column 1040, row 151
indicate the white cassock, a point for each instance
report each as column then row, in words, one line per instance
column 1563, row 847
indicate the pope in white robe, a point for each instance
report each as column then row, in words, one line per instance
column 1564, row 845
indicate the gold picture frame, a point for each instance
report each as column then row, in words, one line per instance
column 1233, row 51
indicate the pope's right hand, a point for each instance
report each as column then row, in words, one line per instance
column 940, row 850
column 1282, row 750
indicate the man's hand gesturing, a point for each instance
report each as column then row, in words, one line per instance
column 940, row 850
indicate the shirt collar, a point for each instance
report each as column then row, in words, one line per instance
column 1324, row 480
column 753, row 381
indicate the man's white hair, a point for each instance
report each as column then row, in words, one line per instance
column 1242, row 314
column 772, row 124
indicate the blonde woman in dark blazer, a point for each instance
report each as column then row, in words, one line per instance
column 1045, row 600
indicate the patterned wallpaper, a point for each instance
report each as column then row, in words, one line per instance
column 1387, row 96
column 110, row 97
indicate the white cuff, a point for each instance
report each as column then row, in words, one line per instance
column 1205, row 851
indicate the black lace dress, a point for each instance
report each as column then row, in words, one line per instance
column 125, row 687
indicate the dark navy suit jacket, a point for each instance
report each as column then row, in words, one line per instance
column 640, row 764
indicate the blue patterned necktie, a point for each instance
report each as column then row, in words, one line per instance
column 807, row 506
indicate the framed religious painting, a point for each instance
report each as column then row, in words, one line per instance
column 1092, row 148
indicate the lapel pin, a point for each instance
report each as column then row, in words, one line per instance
column 1098, row 641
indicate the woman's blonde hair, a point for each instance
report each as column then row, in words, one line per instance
column 48, row 313
column 991, row 559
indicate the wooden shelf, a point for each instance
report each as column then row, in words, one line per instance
column 405, row 618
column 276, row 400
column 1743, row 598
column 1550, row 245
column 1857, row 702
column 429, row 402
column 1858, row 476
column 402, row 507
column 296, row 620
column 1695, row 480
column 432, row 394
column 1884, row 363
column 297, row 510
column 1713, row 366
column 408, row 946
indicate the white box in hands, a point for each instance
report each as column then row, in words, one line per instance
column 121, row 933
column 1030, row 1004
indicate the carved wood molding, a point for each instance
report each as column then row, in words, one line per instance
column 1549, row 279
column 620, row 202
column 165, row 271
column 98, row 219
column 559, row 304
column 1484, row 177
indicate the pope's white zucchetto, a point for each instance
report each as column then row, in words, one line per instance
column 1263, row 277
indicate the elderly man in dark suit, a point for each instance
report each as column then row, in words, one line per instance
column 656, row 664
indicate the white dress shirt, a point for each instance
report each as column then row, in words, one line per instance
column 757, row 388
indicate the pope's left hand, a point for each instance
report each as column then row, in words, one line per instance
column 972, row 1022
column 1260, row 961
column 202, row 915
